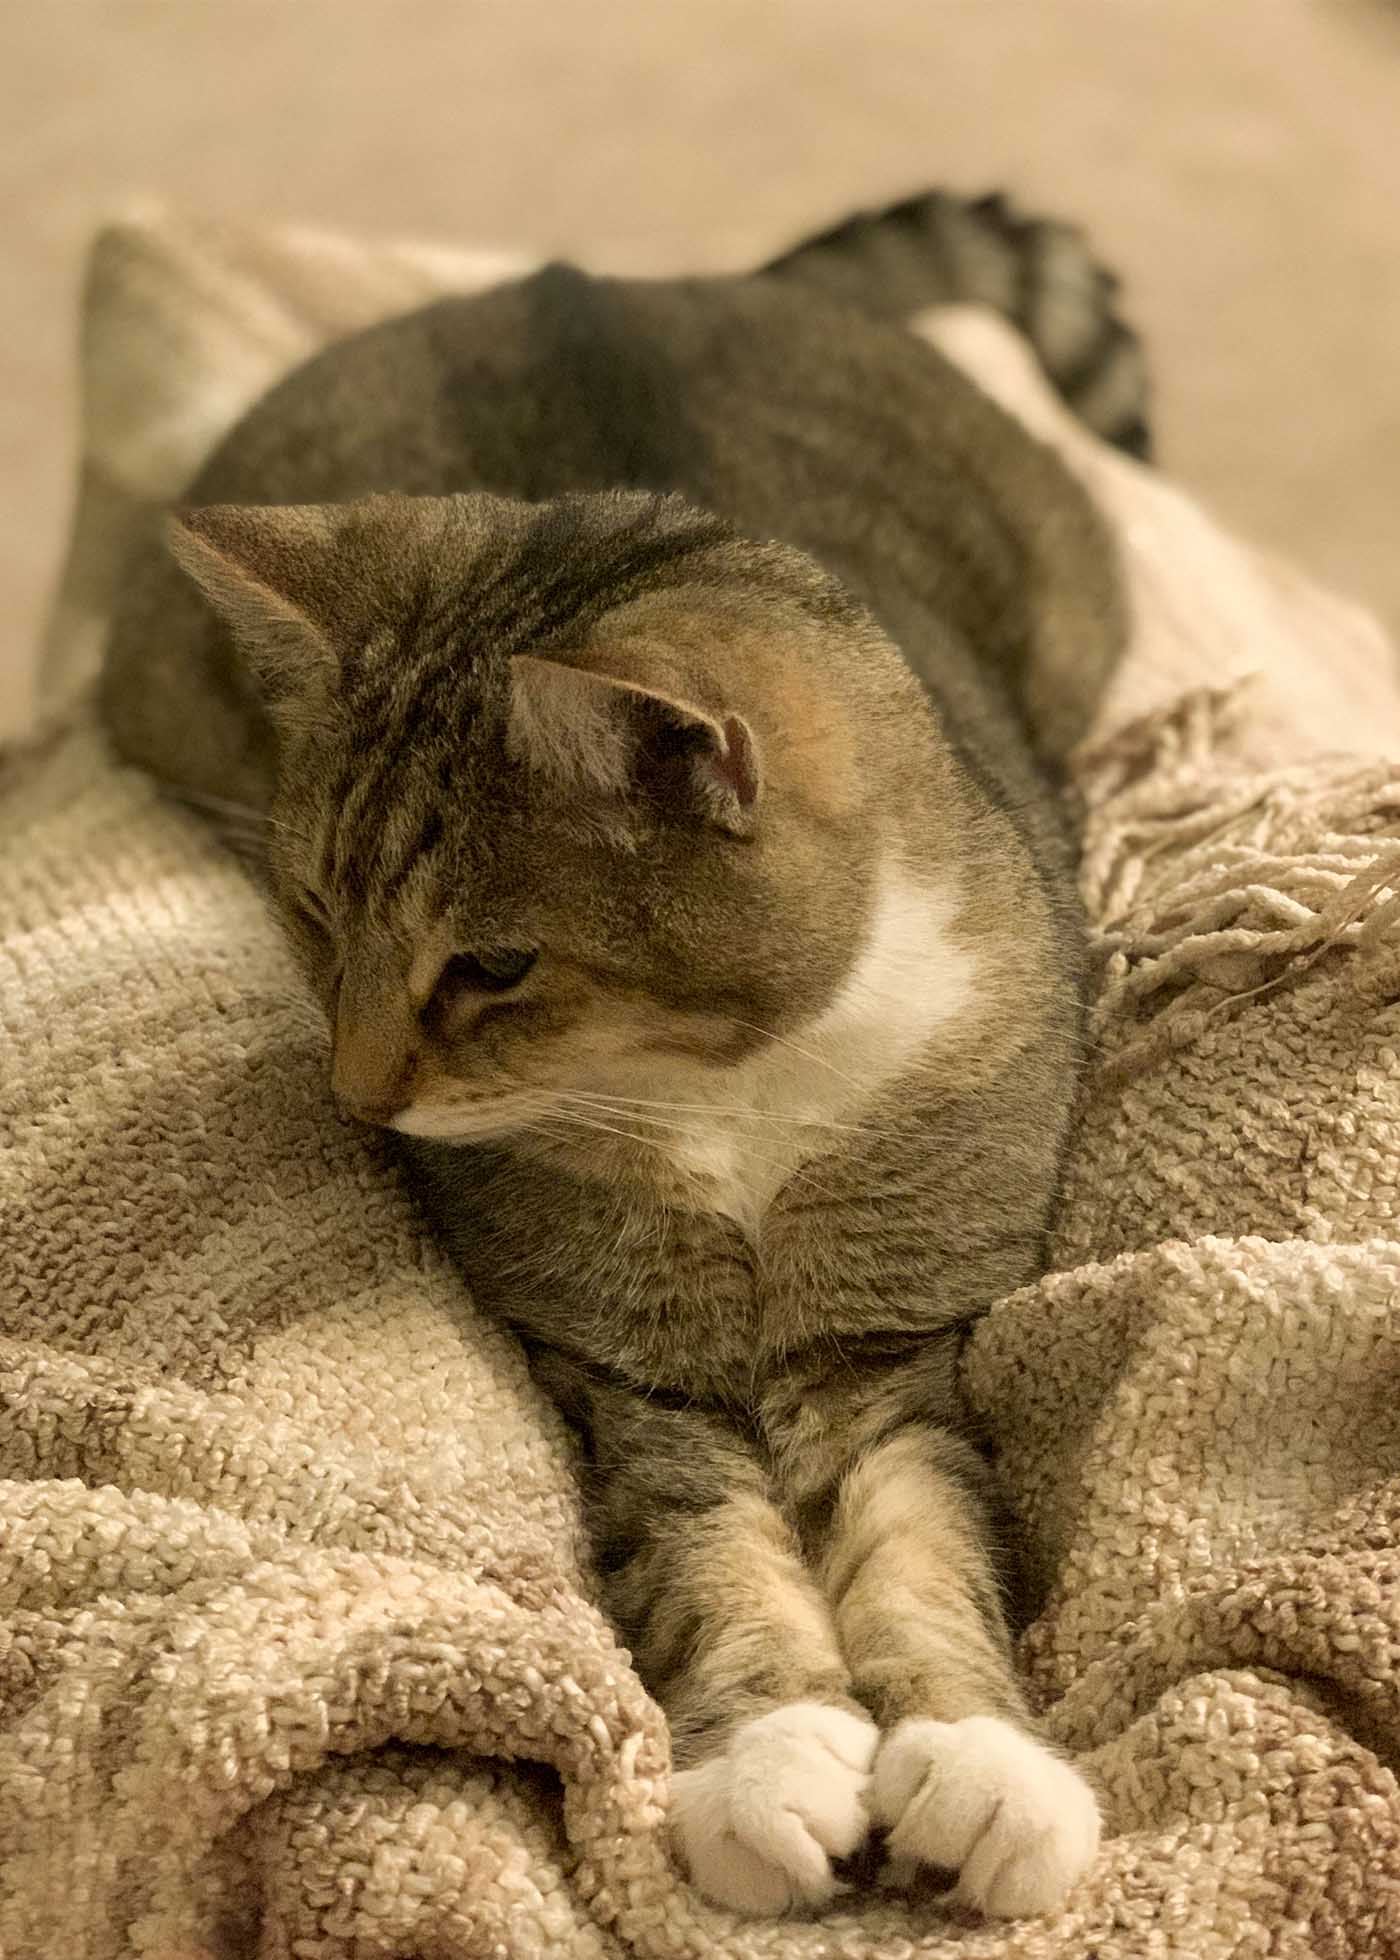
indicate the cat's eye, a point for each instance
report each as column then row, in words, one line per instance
column 495, row 971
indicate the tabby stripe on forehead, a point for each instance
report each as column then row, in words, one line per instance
column 540, row 593
column 415, row 846
column 566, row 588
column 550, row 583
column 388, row 699
column 366, row 787
column 362, row 666
column 406, row 834
column 505, row 597
column 411, row 777
column 362, row 830
column 439, row 670
column 371, row 693
column 375, row 673
column 394, row 706
column 418, row 703
column 361, row 783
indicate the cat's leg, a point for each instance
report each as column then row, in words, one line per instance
column 961, row 1779
column 705, row 1582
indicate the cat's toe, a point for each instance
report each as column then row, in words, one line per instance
column 984, row 1799
column 759, row 1824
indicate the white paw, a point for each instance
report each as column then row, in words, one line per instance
column 758, row 1824
column 984, row 1799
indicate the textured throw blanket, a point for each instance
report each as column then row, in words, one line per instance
column 298, row 1655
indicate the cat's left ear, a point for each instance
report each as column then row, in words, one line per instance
column 268, row 570
column 588, row 731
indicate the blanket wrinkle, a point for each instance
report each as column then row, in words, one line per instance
column 300, row 1657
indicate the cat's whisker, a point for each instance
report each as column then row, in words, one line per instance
column 736, row 1109
column 289, row 830
column 226, row 806
column 806, row 1054
column 578, row 1120
column 243, row 816
column 789, row 1172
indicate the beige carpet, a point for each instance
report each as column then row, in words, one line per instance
column 1241, row 162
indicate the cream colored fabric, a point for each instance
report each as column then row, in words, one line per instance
column 298, row 1652
column 186, row 321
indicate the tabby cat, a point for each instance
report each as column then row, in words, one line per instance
column 635, row 679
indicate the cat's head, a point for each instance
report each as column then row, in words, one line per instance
column 570, row 799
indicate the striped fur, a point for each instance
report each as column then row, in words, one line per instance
column 632, row 684
column 1039, row 272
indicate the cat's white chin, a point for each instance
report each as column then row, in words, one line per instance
column 445, row 1125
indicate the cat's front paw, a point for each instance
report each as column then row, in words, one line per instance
column 982, row 1798
column 759, row 1824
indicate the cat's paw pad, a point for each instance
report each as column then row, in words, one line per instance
column 759, row 1824
column 982, row 1798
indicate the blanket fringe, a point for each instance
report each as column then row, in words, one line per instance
column 1208, row 889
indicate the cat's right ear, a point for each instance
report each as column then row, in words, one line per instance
column 266, row 570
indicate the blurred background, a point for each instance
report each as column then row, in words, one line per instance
column 1239, row 162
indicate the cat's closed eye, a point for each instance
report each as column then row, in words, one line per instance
column 494, row 971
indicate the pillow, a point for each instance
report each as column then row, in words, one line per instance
column 298, row 1649
column 186, row 321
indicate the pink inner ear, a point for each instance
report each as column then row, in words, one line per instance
column 735, row 764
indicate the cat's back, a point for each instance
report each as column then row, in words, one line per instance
column 792, row 415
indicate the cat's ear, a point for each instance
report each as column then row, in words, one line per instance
column 589, row 731
column 268, row 570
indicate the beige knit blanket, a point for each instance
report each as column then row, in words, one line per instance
column 298, row 1653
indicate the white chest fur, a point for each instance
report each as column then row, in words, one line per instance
column 911, row 978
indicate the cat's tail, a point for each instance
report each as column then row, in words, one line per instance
column 1040, row 273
